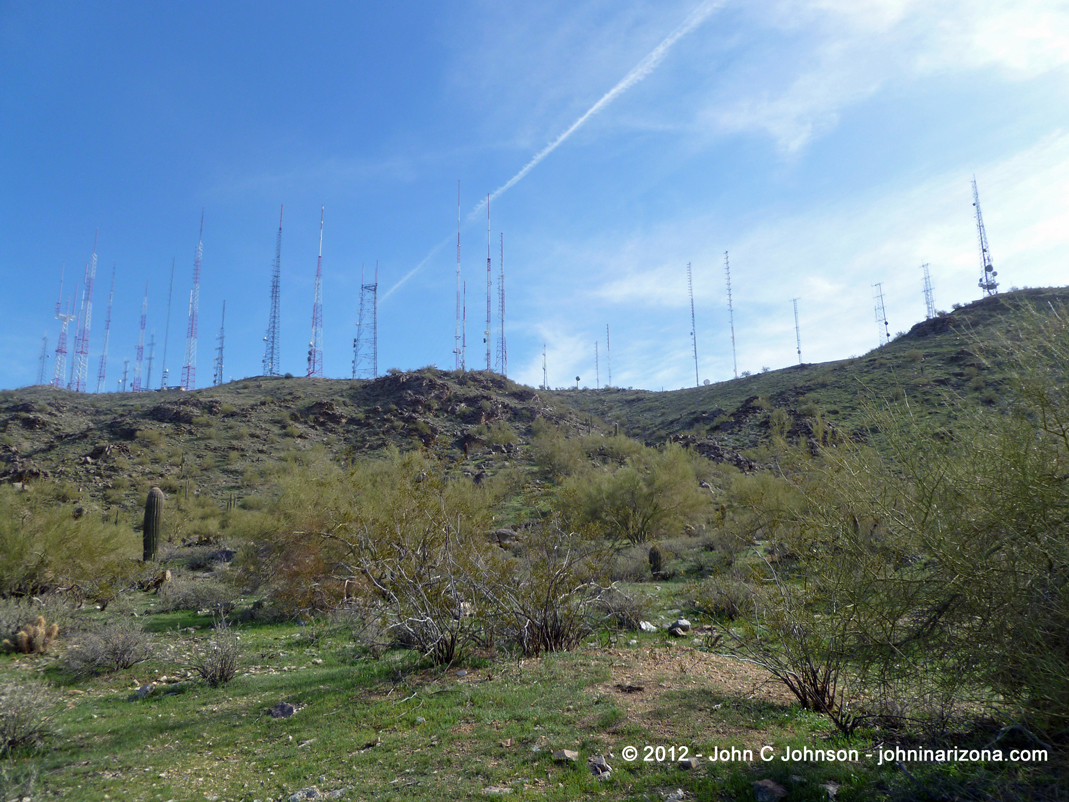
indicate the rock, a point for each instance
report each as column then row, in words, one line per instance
column 676, row 632
column 307, row 793
column 832, row 788
column 566, row 755
column 462, row 673
column 677, row 795
column 768, row 791
column 599, row 767
column 646, row 626
column 496, row 790
column 283, row 710
column 689, row 763
column 681, row 624
column 632, row 642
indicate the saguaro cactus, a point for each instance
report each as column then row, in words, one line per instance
column 656, row 561
column 150, row 536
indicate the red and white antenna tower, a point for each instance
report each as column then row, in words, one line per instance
column 189, row 372
column 315, row 346
column 457, row 346
column 271, row 356
column 489, row 287
column 107, row 335
column 64, row 319
column 81, row 341
column 139, row 354
column 502, row 349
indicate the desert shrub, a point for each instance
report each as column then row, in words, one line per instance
column 184, row 593
column 150, row 438
column 623, row 609
column 653, row 494
column 556, row 454
column 722, row 597
column 114, row 647
column 46, row 547
column 26, row 712
column 217, row 659
column 546, row 599
column 630, row 564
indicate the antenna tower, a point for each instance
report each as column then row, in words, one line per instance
column 270, row 367
column 545, row 377
column 693, row 327
column 502, row 350
column 189, row 372
column 167, row 328
column 122, row 382
column 218, row 379
column 797, row 331
column 457, row 347
column 151, row 351
column 315, row 345
column 139, row 354
column 987, row 274
column 489, row 286
column 81, row 342
column 464, row 326
column 74, row 312
column 366, row 344
column 731, row 314
column 107, row 332
column 64, row 319
column 929, row 301
column 597, row 368
column 608, row 357
column 881, row 314
column 42, row 358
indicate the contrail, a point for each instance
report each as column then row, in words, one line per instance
column 640, row 71
column 637, row 73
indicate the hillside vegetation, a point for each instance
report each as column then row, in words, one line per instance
column 448, row 577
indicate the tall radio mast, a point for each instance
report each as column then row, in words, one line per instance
column 987, row 274
column 189, row 372
column 81, row 342
column 489, row 287
column 315, row 346
column 693, row 326
column 731, row 314
column 271, row 357
column 107, row 334
column 139, row 354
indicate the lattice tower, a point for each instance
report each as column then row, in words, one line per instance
column 189, row 371
column 107, row 335
column 315, row 345
column 271, row 342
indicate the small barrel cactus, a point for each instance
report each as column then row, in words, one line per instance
column 150, row 536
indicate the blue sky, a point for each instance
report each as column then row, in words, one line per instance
column 826, row 145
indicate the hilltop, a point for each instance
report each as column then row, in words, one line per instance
column 219, row 439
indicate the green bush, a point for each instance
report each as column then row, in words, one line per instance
column 41, row 549
column 652, row 495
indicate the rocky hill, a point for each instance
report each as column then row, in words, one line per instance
column 222, row 440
